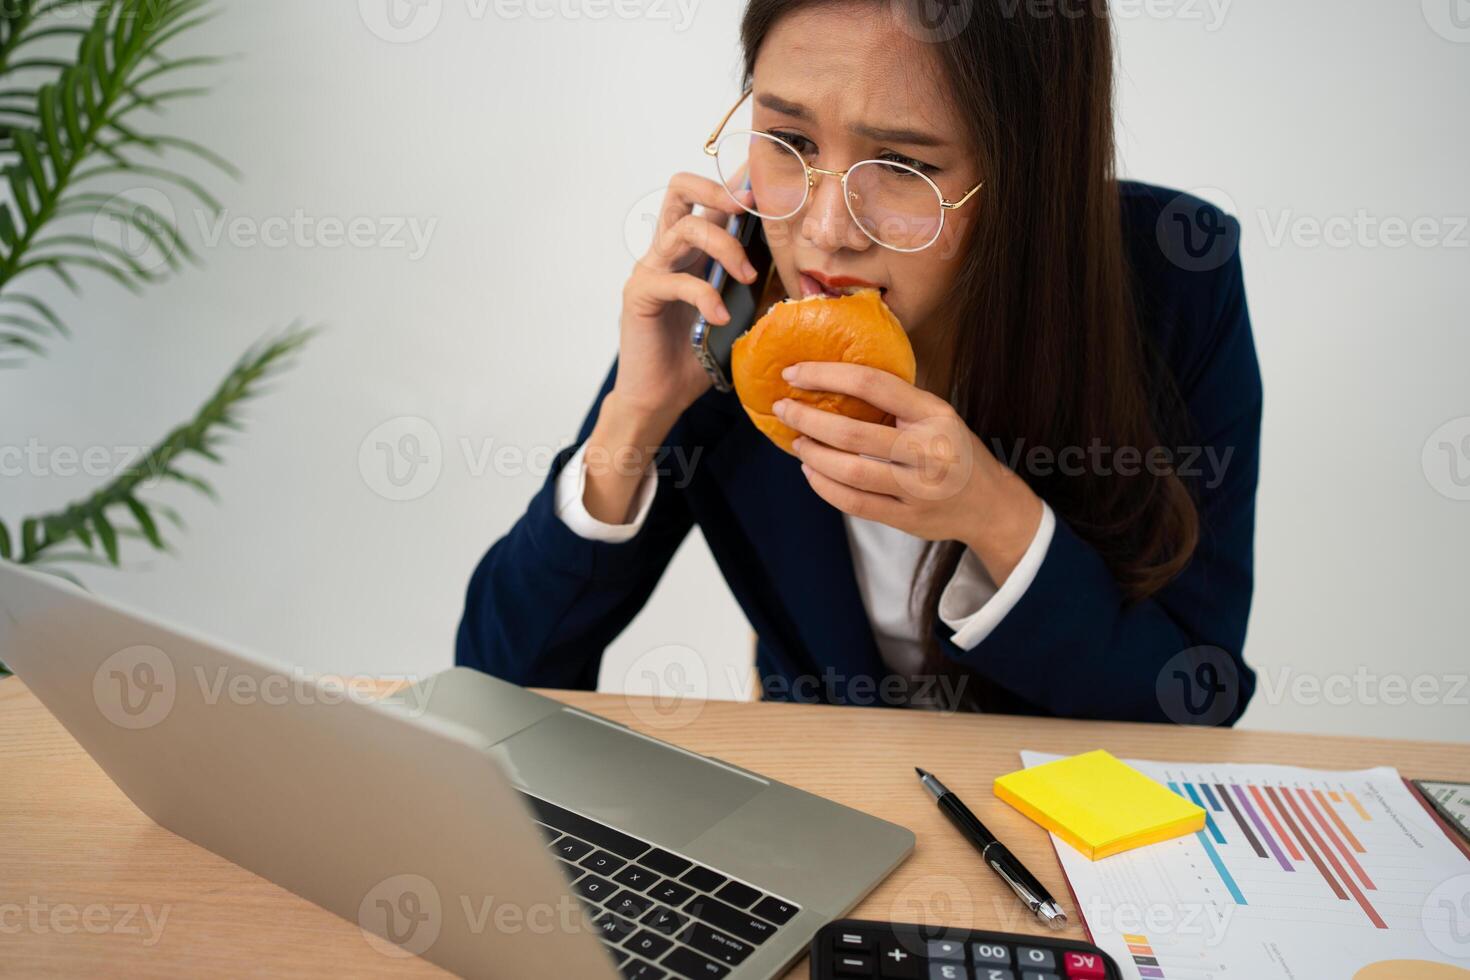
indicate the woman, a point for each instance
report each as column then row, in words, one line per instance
column 1056, row 543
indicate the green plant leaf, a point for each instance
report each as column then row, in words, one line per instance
column 199, row 437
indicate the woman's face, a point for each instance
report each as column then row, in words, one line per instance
column 844, row 83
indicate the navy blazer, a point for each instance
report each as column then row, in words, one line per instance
column 544, row 602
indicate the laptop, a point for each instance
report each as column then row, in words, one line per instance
column 481, row 826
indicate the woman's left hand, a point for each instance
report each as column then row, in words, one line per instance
column 930, row 476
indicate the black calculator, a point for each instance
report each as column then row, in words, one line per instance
column 897, row 951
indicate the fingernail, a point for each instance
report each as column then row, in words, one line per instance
column 749, row 271
column 798, row 443
column 789, row 374
column 779, row 409
column 723, row 311
column 806, row 469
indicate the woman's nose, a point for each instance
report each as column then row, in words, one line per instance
column 826, row 222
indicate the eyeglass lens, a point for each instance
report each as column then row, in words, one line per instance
column 895, row 204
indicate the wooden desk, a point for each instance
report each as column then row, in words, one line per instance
column 72, row 846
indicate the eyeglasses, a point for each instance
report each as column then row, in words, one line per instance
column 896, row 205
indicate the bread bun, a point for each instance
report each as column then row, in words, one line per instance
column 858, row 328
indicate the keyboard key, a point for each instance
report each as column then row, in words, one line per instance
column 636, row 877
column 897, row 963
column 570, row 849
column 718, row 946
column 688, row 963
column 629, row 903
column 589, row 830
column 671, row 892
column 551, row 832
column 664, row 920
column 775, row 910
column 648, row 944
column 602, row 862
column 614, row 928
column 665, row 863
column 991, row 954
column 853, row 965
column 853, row 942
column 1033, row 975
column 594, row 888
column 738, row 894
column 730, row 919
column 636, row 969
column 703, row 878
column 996, row 973
column 1084, row 966
column 619, row 957
column 940, row 970
column 571, row 871
column 1032, row 958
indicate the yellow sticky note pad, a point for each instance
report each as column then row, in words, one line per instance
column 1098, row 804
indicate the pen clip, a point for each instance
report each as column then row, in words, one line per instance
column 1032, row 901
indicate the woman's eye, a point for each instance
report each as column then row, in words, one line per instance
column 918, row 165
column 798, row 142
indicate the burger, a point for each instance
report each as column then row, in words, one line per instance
column 856, row 327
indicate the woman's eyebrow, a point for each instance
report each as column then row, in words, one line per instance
column 910, row 137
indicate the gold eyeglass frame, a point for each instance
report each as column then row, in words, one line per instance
column 711, row 149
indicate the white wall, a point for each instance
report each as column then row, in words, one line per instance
column 528, row 150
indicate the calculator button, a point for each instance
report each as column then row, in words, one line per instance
column 1031, row 958
column 1084, row 966
column 993, row 973
column 853, row 965
column 988, row 953
column 897, row 963
column 1034, row 975
column 852, row 942
column 944, row 949
column 947, row 971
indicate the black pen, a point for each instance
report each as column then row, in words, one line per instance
column 994, row 853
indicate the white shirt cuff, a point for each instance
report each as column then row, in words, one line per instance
column 571, row 482
column 970, row 603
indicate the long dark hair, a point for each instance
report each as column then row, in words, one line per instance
column 1045, row 345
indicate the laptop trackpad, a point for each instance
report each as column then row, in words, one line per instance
column 631, row 782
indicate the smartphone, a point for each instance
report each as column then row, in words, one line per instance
column 713, row 342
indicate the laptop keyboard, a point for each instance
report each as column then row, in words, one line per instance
column 660, row 915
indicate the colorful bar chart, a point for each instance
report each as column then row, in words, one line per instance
column 1296, row 873
column 1300, row 825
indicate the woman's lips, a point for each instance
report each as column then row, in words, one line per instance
column 841, row 286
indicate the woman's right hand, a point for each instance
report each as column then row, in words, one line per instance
column 658, row 375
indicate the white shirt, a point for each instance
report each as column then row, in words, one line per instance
column 884, row 559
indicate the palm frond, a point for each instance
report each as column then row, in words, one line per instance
column 90, row 522
column 61, row 137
